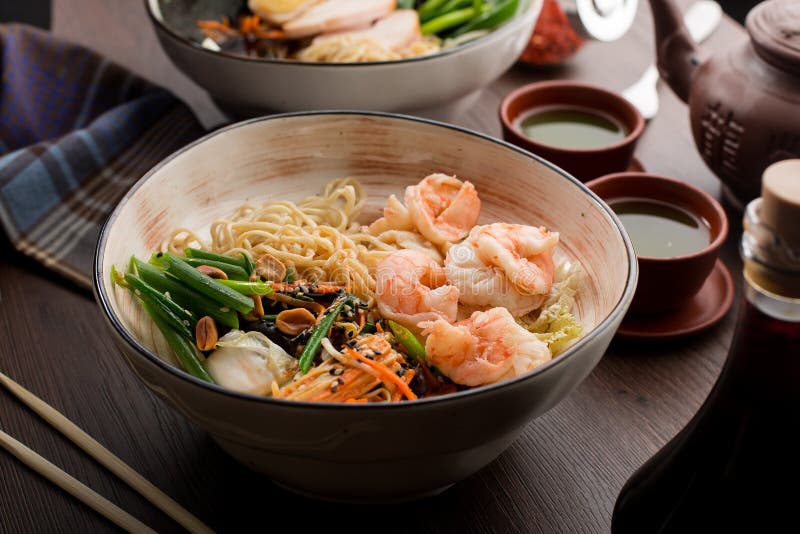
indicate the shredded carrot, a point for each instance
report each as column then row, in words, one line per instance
column 351, row 399
column 275, row 35
column 407, row 378
column 248, row 25
column 320, row 396
column 385, row 372
column 379, row 328
column 214, row 25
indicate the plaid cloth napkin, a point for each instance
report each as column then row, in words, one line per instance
column 76, row 131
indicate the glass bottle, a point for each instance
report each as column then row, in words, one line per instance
column 736, row 465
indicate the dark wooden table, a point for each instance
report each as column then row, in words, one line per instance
column 562, row 475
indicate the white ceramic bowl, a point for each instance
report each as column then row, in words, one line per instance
column 380, row 450
column 251, row 86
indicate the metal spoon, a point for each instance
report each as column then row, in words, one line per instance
column 701, row 19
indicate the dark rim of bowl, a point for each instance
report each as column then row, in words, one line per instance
column 632, row 136
column 104, row 299
column 712, row 246
column 182, row 39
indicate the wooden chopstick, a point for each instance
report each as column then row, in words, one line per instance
column 66, row 482
column 106, row 457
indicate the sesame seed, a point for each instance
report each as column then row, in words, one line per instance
column 335, row 388
column 340, row 380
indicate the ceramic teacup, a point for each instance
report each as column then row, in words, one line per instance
column 668, row 283
column 584, row 164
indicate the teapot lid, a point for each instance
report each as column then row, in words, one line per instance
column 774, row 27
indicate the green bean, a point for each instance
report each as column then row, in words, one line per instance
column 234, row 272
column 213, row 256
column 369, row 328
column 179, row 319
column 290, row 276
column 491, row 19
column 203, row 283
column 249, row 266
column 184, row 349
column 183, row 295
column 448, row 21
column 118, row 278
column 248, row 288
column 429, row 8
column 409, row 341
column 320, row 331
column 450, row 5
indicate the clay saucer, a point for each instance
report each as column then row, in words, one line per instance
column 636, row 165
column 704, row 310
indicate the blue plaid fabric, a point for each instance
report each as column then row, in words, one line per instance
column 75, row 132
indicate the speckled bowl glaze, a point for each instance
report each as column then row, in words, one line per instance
column 248, row 87
column 377, row 451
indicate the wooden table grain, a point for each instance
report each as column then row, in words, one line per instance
column 562, row 475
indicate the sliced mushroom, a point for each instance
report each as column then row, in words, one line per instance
column 213, row 272
column 292, row 322
column 258, row 309
column 311, row 305
column 270, row 268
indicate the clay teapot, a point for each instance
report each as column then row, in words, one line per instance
column 744, row 103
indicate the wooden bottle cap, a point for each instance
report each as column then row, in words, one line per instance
column 780, row 204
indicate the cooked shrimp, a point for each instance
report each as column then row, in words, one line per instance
column 412, row 241
column 443, row 208
column 411, row 288
column 509, row 265
column 488, row 347
column 395, row 217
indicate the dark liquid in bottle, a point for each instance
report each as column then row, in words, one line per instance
column 736, row 465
